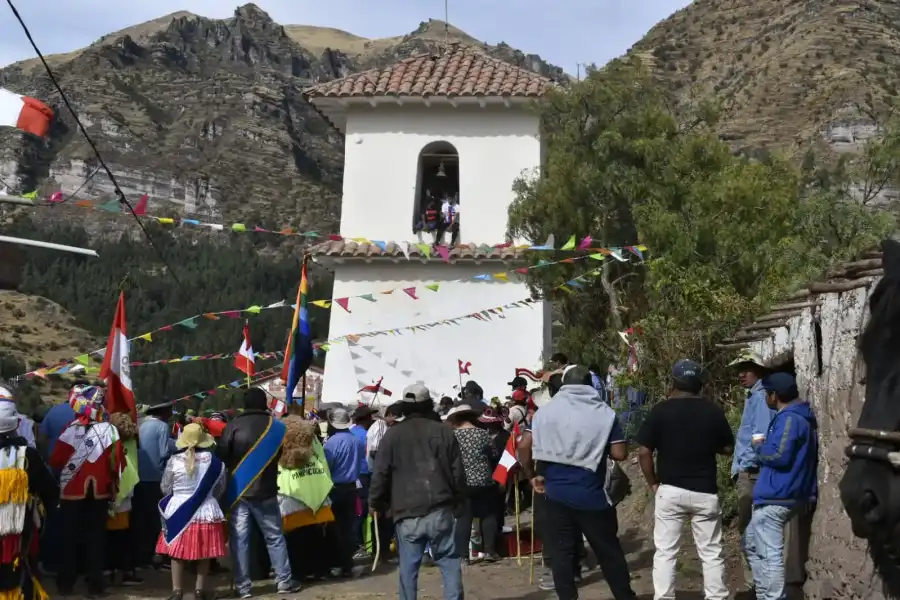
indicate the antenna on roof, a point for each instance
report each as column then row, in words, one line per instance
column 446, row 21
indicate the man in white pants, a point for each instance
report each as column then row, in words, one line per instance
column 687, row 432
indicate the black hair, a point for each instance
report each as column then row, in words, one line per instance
column 256, row 399
column 578, row 375
column 560, row 358
column 418, row 408
column 395, row 410
column 554, row 383
column 446, row 401
column 690, row 386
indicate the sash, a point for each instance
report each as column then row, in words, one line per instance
column 254, row 463
column 175, row 525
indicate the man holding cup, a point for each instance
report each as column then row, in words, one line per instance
column 754, row 423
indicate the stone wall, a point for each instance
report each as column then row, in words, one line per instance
column 821, row 340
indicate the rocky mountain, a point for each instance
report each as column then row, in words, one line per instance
column 206, row 115
column 788, row 72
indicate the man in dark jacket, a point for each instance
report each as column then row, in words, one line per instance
column 419, row 476
column 250, row 447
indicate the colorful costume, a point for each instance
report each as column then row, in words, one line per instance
column 194, row 523
column 25, row 487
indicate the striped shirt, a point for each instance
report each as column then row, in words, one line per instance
column 373, row 440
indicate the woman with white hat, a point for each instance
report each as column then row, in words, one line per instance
column 25, row 484
column 194, row 525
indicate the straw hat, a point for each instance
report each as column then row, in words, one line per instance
column 193, row 436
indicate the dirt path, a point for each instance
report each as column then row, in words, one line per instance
column 505, row 580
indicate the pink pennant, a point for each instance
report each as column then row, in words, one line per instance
column 444, row 253
column 234, row 314
column 140, row 209
column 166, row 328
column 55, row 197
column 411, row 292
column 505, row 245
column 522, row 270
column 585, row 243
column 334, row 238
column 259, row 229
column 343, row 303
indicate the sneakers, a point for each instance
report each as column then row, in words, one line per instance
column 291, row 588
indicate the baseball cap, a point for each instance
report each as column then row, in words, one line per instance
column 416, row 392
column 783, row 384
column 518, row 381
column 688, row 373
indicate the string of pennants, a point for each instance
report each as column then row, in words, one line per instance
column 357, row 370
column 193, row 322
column 81, row 364
column 237, row 383
column 140, row 209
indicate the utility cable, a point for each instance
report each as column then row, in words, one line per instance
column 120, row 195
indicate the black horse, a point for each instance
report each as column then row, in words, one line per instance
column 870, row 487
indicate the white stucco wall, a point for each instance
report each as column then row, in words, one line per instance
column 382, row 146
column 495, row 348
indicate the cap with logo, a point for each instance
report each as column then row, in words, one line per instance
column 688, row 372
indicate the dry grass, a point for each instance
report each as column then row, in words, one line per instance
column 37, row 330
column 782, row 69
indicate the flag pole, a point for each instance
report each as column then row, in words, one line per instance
column 247, row 324
column 303, row 377
column 518, row 520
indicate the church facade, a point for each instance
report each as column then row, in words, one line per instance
column 433, row 145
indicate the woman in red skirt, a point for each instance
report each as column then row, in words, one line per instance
column 193, row 522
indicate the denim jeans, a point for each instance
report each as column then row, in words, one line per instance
column 765, row 549
column 268, row 517
column 413, row 535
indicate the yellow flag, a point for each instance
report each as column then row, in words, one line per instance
column 254, row 309
column 165, row 220
column 570, row 245
column 321, row 303
column 146, row 337
column 501, row 276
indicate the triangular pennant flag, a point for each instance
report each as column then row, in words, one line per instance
column 189, row 323
column 522, row 271
column 84, row 203
column 597, row 256
column 411, row 292
column 376, row 353
column 404, row 247
column 585, row 243
column 111, row 206
column 368, row 297
column 354, row 355
column 165, row 220
column 381, row 245
column 361, row 383
column 406, row 373
column 482, row 277
column 239, row 227
column 211, row 316
column 617, row 255
column 83, row 359
column 424, row 249
column 358, row 370
column 146, row 337
column 393, row 363
column 343, row 303
column 368, row 348
column 140, row 209
column 321, row 303
column 444, row 253
column 501, row 276
column 432, row 286
column 570, row 245
column 253, row 309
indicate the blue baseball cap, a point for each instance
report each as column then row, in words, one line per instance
column 689, row 373
column 783, row 384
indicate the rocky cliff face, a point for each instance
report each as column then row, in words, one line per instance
column 206, row 116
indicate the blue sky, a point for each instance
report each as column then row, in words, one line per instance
column 563, row 32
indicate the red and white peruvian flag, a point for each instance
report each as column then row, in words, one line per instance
column 277, row 407
column 245, row 361
column 27, row 114
column 508, row 460
column 116, row 369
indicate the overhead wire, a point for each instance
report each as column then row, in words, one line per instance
column 120, row 195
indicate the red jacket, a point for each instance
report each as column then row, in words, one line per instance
column 102, row 475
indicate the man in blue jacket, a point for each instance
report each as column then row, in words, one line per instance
column 788, row 459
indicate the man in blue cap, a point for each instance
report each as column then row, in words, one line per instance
column 788, row 457
column 686, row 432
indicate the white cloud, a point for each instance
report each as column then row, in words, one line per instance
column 565, row 32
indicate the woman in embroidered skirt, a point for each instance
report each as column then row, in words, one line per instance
column 303, row 486
column 194, row 525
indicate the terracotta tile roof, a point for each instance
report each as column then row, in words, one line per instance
column 350, row 249
column 456, row 71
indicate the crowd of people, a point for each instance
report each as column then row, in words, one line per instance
column 86, row 493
